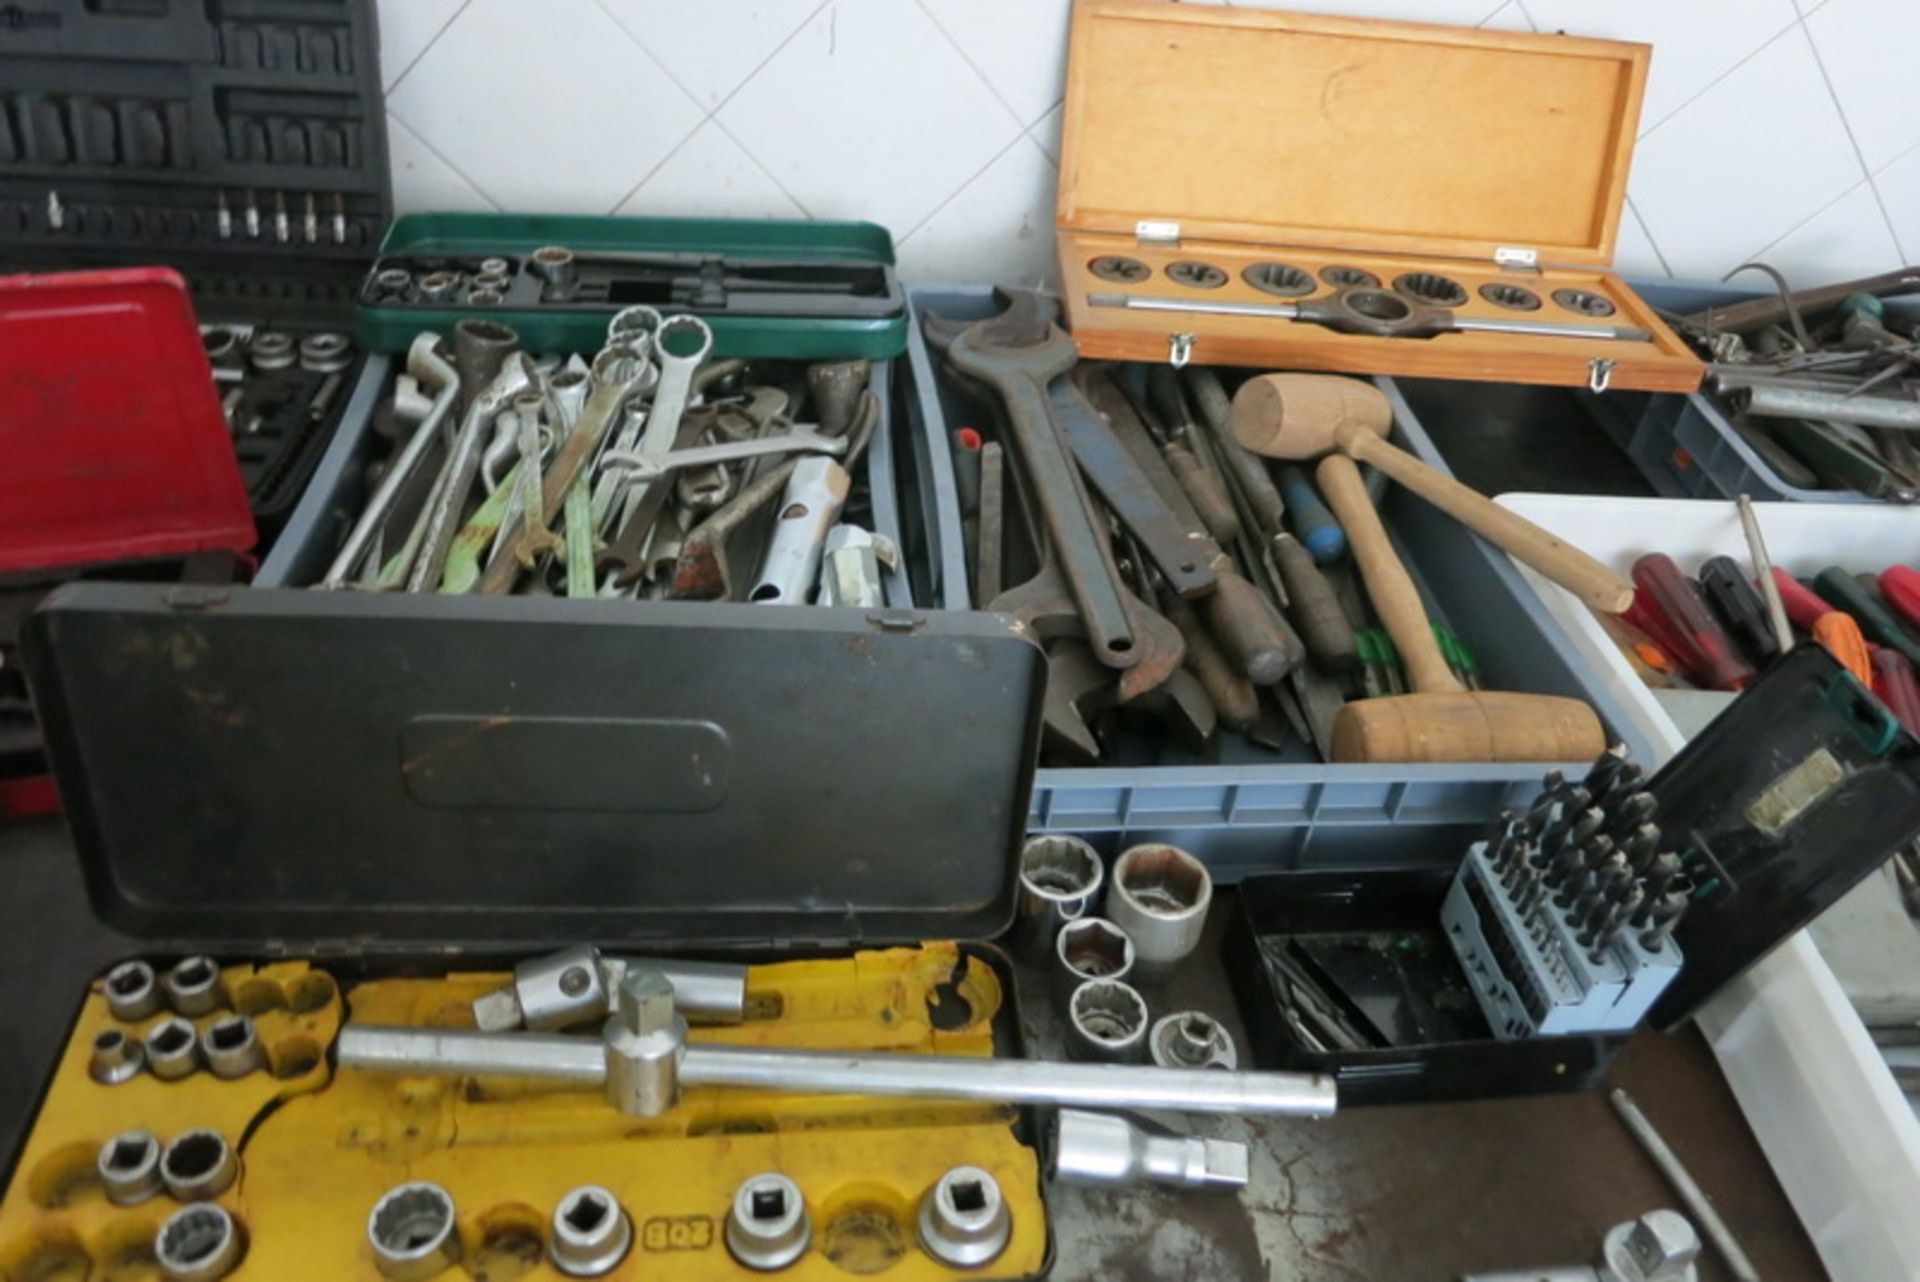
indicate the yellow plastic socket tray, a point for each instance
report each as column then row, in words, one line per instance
column 318, row 1148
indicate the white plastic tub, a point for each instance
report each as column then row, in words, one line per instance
column 1837, row 1130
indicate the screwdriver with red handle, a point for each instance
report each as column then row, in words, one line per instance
column 1901, row 587
column 1707, row 651
column 1803, row 607
column 1894, row 683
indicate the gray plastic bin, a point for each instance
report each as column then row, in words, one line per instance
column 1685, row 445
column 1254, row 812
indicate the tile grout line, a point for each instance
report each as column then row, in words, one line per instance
column 1697, row 95
column 452, row 168
column 424, row 49
column 757, row 163
column 711, row 115
column 974, row 67
column 1808, row 219
column 1633, row 212
column 972, row 178
column 1051, row 158
column 1866, row 170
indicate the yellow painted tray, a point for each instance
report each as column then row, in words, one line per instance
column 318, row 1148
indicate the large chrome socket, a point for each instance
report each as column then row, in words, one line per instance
column 198, row 1243
column 1160, row 895
column 590, row 1233
column 768, row 1226
column 964, row 1222
column 412, row 1231
column 1090, row 948
column 132, row 991
column 1107, row 1022
column 129, row 1166
column 1060, row 879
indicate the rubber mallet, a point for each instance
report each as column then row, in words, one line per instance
column 1441, row 720
column 1302, row 416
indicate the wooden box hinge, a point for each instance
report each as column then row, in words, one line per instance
column 1157, row 231
column 1516, row 259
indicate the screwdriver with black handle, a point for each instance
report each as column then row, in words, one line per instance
column 1733, row 599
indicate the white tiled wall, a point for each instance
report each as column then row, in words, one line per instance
column 1773, row 129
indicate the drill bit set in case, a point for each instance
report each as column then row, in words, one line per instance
column 284, row 1164
column 1300, row 191
column 1424, row 983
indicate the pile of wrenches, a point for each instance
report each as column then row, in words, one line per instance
column 1152, row 543
column 651, row 471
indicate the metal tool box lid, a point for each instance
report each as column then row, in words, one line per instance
column 1799, row 790
column 1208, row 123
column 664, row 773
column 116, row 449
column 122, row 127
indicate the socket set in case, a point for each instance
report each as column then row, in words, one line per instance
column 769, row 288
column 198, row 1127
column 242, row 145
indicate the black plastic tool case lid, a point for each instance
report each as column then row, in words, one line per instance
column 124, row 122
column 1799, row 790
column 871, row 786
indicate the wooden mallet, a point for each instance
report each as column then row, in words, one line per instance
column 1302, row 416
column 1442, row 720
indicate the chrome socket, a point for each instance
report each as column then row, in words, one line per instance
column 964, row 1221
column 438, row 287
column 555, row 265
column 486, row 298
column 1160, row 895
column 1060, row 880
column 327, row 352
column 411, row 1230
column 173, row 1049
column 198, row 1166
column 590, row 1233
column 1090, row 948
column 495, row 267
column 1096, row 1148
column 193, row 986
column 271, row 349
column 133, row 991
column 129, row 1166
column 198, row 1243
column 231, row 1047
column 489, row 280
column 393, row 280
column 1106, row 1021
column 768, row 1226
column 1192, row 1039
column 115, row 1058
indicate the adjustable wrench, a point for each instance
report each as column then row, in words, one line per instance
column 1017, row 354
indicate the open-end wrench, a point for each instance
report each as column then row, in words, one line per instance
column 617, row 374
column 463, row 465
column 681, row 344
column 651, row 467
column 426, row 364
column 535, row 539
column 993, row 351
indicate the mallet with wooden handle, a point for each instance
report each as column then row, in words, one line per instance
column 1442, row 720
column 1302, row 416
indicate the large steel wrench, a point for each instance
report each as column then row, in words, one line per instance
column 1020, row 375
column 618, row 372
column 650, row 467
column 681, row 344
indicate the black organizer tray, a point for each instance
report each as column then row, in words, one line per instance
column 199, row 135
